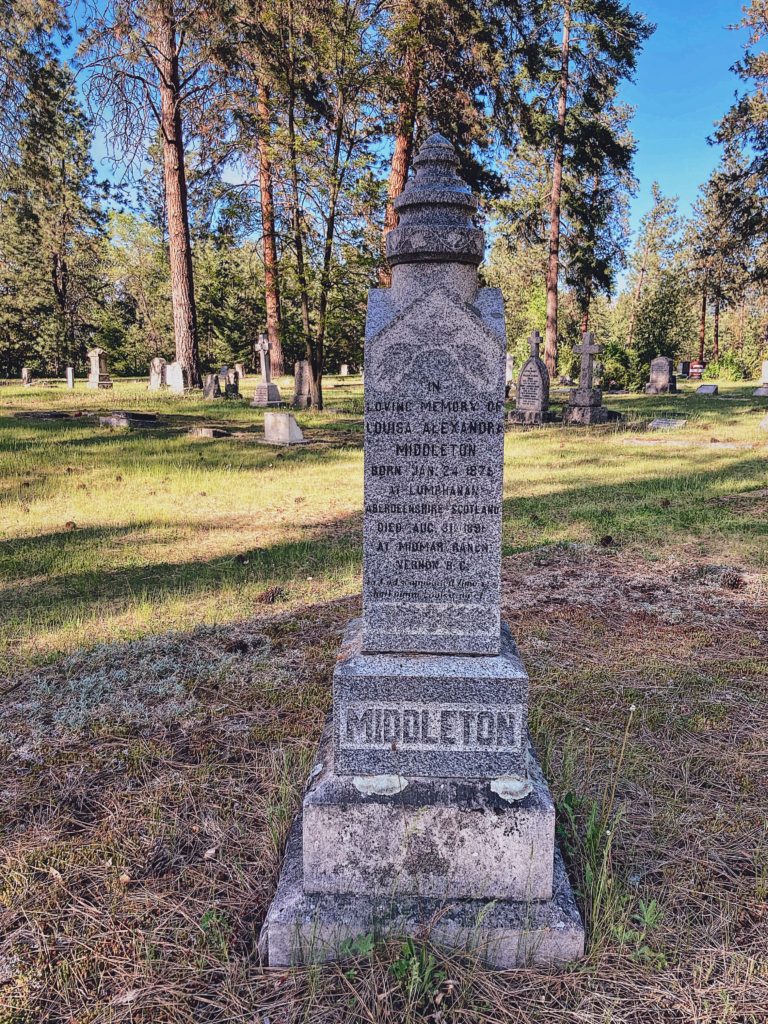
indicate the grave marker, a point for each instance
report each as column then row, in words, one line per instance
column 157, row 369
column 302, row 385
column 174, row 378
column 585, row 403
column 707, row 390
column 532, row 399
column 662, row 379
column 70, row 378
column 99, row 375
column 427, row 807
column 266, row 393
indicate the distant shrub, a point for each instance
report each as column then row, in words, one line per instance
column 728, row 367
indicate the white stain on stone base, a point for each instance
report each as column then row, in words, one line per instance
column 511, row 788
column 379, row 785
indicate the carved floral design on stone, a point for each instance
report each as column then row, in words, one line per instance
column 394, row 351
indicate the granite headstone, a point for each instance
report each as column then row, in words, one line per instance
column 532, row 398
column 98, row 376
column 302, row 385
column 157, row 369
column 427, row 803
column 585, row 403
column 662, row 380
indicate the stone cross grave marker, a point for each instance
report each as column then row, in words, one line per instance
column 427, row 803
column 587, row 350
column 585, row 403
column 266, row 393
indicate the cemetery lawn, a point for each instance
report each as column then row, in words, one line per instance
column 171, row 611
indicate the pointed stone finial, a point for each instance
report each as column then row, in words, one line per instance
column 436, row 211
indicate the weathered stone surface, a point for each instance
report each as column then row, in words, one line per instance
column 585, row 403
column 344, row 370
column 209, row 432
column 310, row 928
column 707, row 390
column 211, row 386
column 429, row 837
column 98, row 376
column 174, row 378
column 666, row 424
column 240, row 370
column 70, row 378
column 120, row 420
column 430, row 715
column 662, row 380
column 27, row 377
column 434, row 441
column 267, row 393
column 302, row 393
column 157, row 368
column 429, row 809
column 532, row 398
column 282, row 428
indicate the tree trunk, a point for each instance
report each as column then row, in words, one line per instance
column 716, row 334
column 316, row 386
column 703, row 324
column 175, row 181
column 742, row 322
column 268, row 236
column 553, row 260
column 402, row 154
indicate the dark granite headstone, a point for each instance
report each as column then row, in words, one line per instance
column 212, row 386
column 662, row 379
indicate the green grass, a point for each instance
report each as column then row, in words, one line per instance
column 171, row 612
column 112, row 535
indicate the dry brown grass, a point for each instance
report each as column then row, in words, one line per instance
column 141, row 845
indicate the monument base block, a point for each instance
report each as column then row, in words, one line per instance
column 266, row 395
column 303, row 928
column 530, row 417
column 449, row 838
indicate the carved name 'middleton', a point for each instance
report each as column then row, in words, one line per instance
column 457, row 727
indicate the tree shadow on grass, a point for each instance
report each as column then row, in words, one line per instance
column 43, row 589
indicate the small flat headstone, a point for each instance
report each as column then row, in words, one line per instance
column 126, row 420
column 282, row 428
column 706, row 389
column 209, row 432
column 761, row 392
column 664, row 424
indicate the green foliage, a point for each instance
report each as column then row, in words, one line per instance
column 728, row 366
column 360, row 945
column 417, row 971
column 51, row 226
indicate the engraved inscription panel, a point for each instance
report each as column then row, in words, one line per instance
column 434, row 450
column 530, row 389
column 382, row 725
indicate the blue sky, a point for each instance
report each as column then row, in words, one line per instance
column 683, row 85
